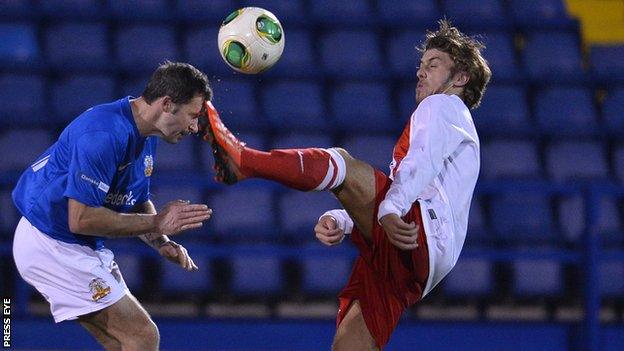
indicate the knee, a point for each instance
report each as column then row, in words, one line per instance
column 149, row 333
column 344, row 153
column 144, row 337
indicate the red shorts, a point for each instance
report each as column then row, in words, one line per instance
column 385, row 279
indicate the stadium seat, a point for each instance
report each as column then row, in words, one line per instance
column 471, row 277
column 618, row 161
column 63, row 53
column 504, row 112
column 613, row 112
column 9, row 216
column 375, row 150
column 363, row 107
column 566, row 111
column 571, row 214
column 25, row 109
column 133, row 86
column 496, row 163
column 16, row 9
column 537, row 278
column 574, row 161
column 293, row 140
column 324, row 275
column 355, row 12
column 609, row 274
column 179, row 157
column 257, row 275
column 19, row 45
column 500, row 54
column 487, row 14
column 203, row 12
column 74, row 9
column 351, row 54
column 522, row 218
column 299, row 56
column 478, row 233
column 236, row 102
column 543, row 14
column 141, row 48
column 72, row 95
column 15, row 156
column 243, row 213
column 299, row 212
column 291, row 13
column 606, row 62
column 140, row 10
column 294, row 106
column 162, row 194
column 564, row 57
column 130, row 266
column 406, row 102
column 402, row 56
column 176, row 280
column 200, row 48
column 408, row 13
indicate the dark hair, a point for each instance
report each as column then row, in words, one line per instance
column 178, row 80
column 466, row 54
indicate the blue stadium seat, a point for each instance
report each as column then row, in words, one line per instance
column 571, row 214
column 292, row 140
column 140, row 10
column 500, row 54
column 606, row 62
column 478, row 233
column 19, row 45
column 496, row 163
column 236, row 102
column 471, row 277
column 531, row 14
column 574, row 161
column 487, row 14
column 375, row 150
column 176, row 157
column 162, row 194
column 522, row 218
column 201, row 49
column 244, row 213
column 564, row 57
column 363, row 107
column 294, row 106
column 613, row 112
column 324, row 275
column 204, row 12
column 402, row 56
column 133, row 86
column 130, row 267
column 343, row 12
column 16, row 157
column 255, row 275
column 504, row 111
column 74, row 9
column 537, row 278
column 409, row 13
column 253, row 140
column 406, row 102
column 618, row 161
column 63, row 52
column 9, row 216
column 141, row 48
column 299, row 213
column 290, row 13
column 72, row 95
column 351, row 53
column 299, row 56
column 566, row 111
column 26, row 94
column 175, row 279
column 16, row 9
column 610, row 275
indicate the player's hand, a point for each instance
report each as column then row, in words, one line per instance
column 179, row 215
column 177, row 254
column 401, row 234
column 327, row 231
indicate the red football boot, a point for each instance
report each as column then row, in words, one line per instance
column 226, row 148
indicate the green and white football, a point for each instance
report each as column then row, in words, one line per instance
column 251, row 40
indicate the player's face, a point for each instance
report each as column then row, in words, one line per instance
column 184, row 118
column 434, row 74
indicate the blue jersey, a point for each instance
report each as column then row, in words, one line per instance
column 100, row 159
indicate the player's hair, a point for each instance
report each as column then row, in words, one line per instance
column 465, row 52
column 178, row 80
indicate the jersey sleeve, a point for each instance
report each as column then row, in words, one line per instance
column 94, row 160
column 435, row 135
column 342, row 218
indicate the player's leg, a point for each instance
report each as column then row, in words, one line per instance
column 126, row 321
column 104, row 338
column 352, row 333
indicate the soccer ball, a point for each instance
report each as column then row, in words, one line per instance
column 251, row 40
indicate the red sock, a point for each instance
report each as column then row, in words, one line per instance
column 301, row 169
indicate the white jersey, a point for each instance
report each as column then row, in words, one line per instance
column 435, row 162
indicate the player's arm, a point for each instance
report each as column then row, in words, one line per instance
column 177, row 216
column 152, row 239
column 332, row 227
column 434, row 136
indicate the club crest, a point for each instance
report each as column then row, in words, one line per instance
column 99, row 289
column 148, row 162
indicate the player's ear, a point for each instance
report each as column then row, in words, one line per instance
column 461, row 79
column 167, row 104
